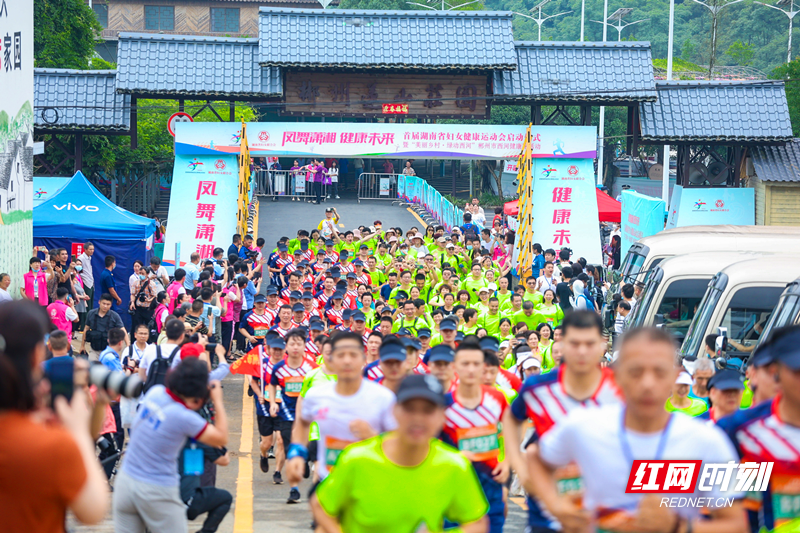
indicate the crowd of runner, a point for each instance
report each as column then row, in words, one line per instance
column 411, row 375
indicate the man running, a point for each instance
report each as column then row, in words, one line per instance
column 770, row 432
column 548, row 398
column 472, row 418
column 288, row 374
column 406, row 480
column 605, row 441
column 268, row 424
column 348, row 410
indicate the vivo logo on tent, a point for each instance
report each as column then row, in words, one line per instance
column 69, row 206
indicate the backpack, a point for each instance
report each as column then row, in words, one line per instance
column 470, row 231
column 157, row 373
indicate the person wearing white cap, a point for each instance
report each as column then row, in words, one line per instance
column 530, row 367
column 417, row 246
column 680, row 400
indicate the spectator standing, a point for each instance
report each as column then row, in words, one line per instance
column 99, row 321
column 237, row 243
column 408, row 170
column 142, row 296
column 192, row 269
column 45, row 469
column 62, row 313
column 333, row 176
column 147, row 487
column 5, row 281
column 80, row 294
column 161, row 277
column 34, row 282
column 358, row 168
column 107, row 281
column 87, row 274
column 62, row 272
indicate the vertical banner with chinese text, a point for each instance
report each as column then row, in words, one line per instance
column 565, row 207
column 202, row 206
column 16, row 139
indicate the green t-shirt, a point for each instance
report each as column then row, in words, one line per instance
column 491, row 323
column 385, row 259
column 550, row 313
column 532, row 321
column 443, row 486
column 505, row 299
column 698, row 407
column 536, row 298
column 472, row 285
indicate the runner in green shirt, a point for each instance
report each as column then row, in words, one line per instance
column 474, row 282
column 490, row 320
column 502, row 293
column 551, row 312
column 531, row 294
column 680, row 401
column 428, row 481
column 527, row 315
column 470, row 325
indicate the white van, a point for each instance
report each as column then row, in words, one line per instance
column 787, row 312
column 673, row 289
column 741, row 298
column 650, row 251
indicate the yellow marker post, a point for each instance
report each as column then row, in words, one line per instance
column 243, row 515
column 524, row 239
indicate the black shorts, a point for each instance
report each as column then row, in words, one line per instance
column 267, row 425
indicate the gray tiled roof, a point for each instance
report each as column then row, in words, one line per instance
column 778, row 163
column 563, row 71
column 79, row 100
column 743, row 111
column 188, row 65
column 412, row 40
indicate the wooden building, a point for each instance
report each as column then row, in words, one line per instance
column 775, row 175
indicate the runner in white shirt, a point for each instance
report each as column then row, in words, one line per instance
column 604, row 442
column 347, row 411
column 549, row 278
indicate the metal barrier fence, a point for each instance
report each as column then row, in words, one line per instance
column 287, row 184
column 377, row 186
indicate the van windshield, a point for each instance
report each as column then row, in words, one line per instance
column 696, row 333
column 651, row 282
column 633, row 262
column 679, row 304
column 786, row 313
column 747, row 315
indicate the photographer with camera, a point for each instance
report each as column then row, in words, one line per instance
column 147, row 487
column 47, row 459
column 99, row 322
column 111, row 358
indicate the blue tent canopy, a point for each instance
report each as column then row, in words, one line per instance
column 81, row 212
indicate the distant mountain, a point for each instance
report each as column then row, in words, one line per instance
column 762, row 33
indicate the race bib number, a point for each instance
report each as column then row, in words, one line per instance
column 568, row 480
column 292, row 386
column 333, row 449
column 479, row 443
column 260, row 332
column 785, row 501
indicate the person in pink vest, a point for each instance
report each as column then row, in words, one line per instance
column 62, row 314
column 161, row 311
column 175, row 288
column 34, row 286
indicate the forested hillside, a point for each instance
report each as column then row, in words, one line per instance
column 749, row 34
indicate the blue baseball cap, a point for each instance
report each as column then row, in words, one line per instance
column 338, row 295
column 260, row 299
column 276, row 341
column 347, row 314
column 392, row 351
column 359, row 316
column 727, row 379
column 403, row 332
column 272, row 289
column 786, row 349
column 295, row 294
column 282, row 247
column 421, row 387
column 411, row 342
column 489, row 343
column 442, row 352
column 424, row 333
column 316, row 325
column 448, row 324
column 328, row 242
column 358, row 262
column 459, row 336
column 298, row 308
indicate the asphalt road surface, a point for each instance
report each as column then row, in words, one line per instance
column 259, row 505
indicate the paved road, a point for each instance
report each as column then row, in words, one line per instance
column 260, row 506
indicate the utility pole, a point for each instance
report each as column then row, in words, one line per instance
column 789, row 13
column 665, row 177
column 539, row 19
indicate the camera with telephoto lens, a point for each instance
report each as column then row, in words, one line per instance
column 251, row 254
column 115, row 382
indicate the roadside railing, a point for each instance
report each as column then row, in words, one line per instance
column 286, row 184
column 377, row 186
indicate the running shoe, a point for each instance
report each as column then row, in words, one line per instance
column 277, row 479
column 264, row 464
column 271, row 453
column 294, row 496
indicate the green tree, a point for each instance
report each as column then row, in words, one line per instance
column 64, row 34
column 791, row 72
column 687, row 50
column 741, row 53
